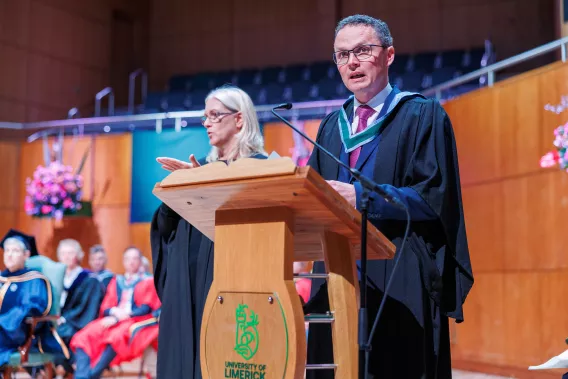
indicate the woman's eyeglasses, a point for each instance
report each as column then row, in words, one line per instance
column 215, row 117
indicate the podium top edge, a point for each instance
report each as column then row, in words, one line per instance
column 243, row 169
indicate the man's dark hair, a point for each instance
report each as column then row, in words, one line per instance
column 380, row 27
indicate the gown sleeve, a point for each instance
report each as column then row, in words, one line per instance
column 164, row 225
column 86, row 302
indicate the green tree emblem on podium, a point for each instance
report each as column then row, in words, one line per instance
column 247, row 340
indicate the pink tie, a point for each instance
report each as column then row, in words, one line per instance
column 363, row 112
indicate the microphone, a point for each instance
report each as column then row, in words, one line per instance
column 365, row 182
column 283, row 106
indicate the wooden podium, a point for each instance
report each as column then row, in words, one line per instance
column 263, row 215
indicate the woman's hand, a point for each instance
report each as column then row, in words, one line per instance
column 172, row 164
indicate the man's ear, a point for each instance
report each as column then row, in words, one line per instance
column 390, row 55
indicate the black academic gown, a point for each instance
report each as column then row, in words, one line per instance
column 84, row 298
column 183, row 272
column 415, row 149
column 104, row 276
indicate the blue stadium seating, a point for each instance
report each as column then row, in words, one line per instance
column 316, row 81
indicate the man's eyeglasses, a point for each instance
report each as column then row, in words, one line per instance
column 215, row 117
column 362, row 53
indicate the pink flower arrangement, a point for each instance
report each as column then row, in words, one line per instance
column 557, row 156
column 53, row 191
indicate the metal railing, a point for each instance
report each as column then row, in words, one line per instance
column 132, row 88
column 73, row 112
column 169, row 119
column 108, row 91
column 492, row 69
column 161, row 120
column 10, row 125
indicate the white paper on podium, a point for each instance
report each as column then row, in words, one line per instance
column 273, row 155
column 560, row 361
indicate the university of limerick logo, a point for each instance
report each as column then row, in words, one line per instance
column 247, row 333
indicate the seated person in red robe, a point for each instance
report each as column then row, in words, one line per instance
column 130, row 299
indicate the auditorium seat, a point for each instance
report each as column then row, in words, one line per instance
column 297, row 73
column 398, row 66
column 472, row 60
column 271, row 75
column 424, row 62
column 312, row 81
column 453, row 58
column 412, row 81
column 442, row 75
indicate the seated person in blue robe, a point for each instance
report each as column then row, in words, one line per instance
column 97, row 261
column 24, row 293
column 81, row 298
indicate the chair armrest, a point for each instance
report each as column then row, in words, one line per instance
column 32, row 321
column 36, row 320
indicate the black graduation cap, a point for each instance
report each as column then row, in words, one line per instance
column 29, row 241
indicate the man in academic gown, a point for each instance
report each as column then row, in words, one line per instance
column 97, row 262
column 130, row 299
column 405, row 143
column 24, row 293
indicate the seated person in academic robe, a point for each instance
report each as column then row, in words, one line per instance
column 181, row 255
column 81, row 298
column 97, row 262
column 145, row 268
column 130, row 298
column 24, row 293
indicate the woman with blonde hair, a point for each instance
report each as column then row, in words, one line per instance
column 181, row 255
column 232, row 127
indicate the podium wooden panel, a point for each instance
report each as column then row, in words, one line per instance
column 251, row 183
column 263, row 215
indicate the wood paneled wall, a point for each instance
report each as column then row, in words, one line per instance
column 10, row 153
column 188, row 37
column 279, row 137
column 56, row 54
column 107, row 175
column 515, row 214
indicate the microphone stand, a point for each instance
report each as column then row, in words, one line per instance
column 367, row 186
column 363, row 327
